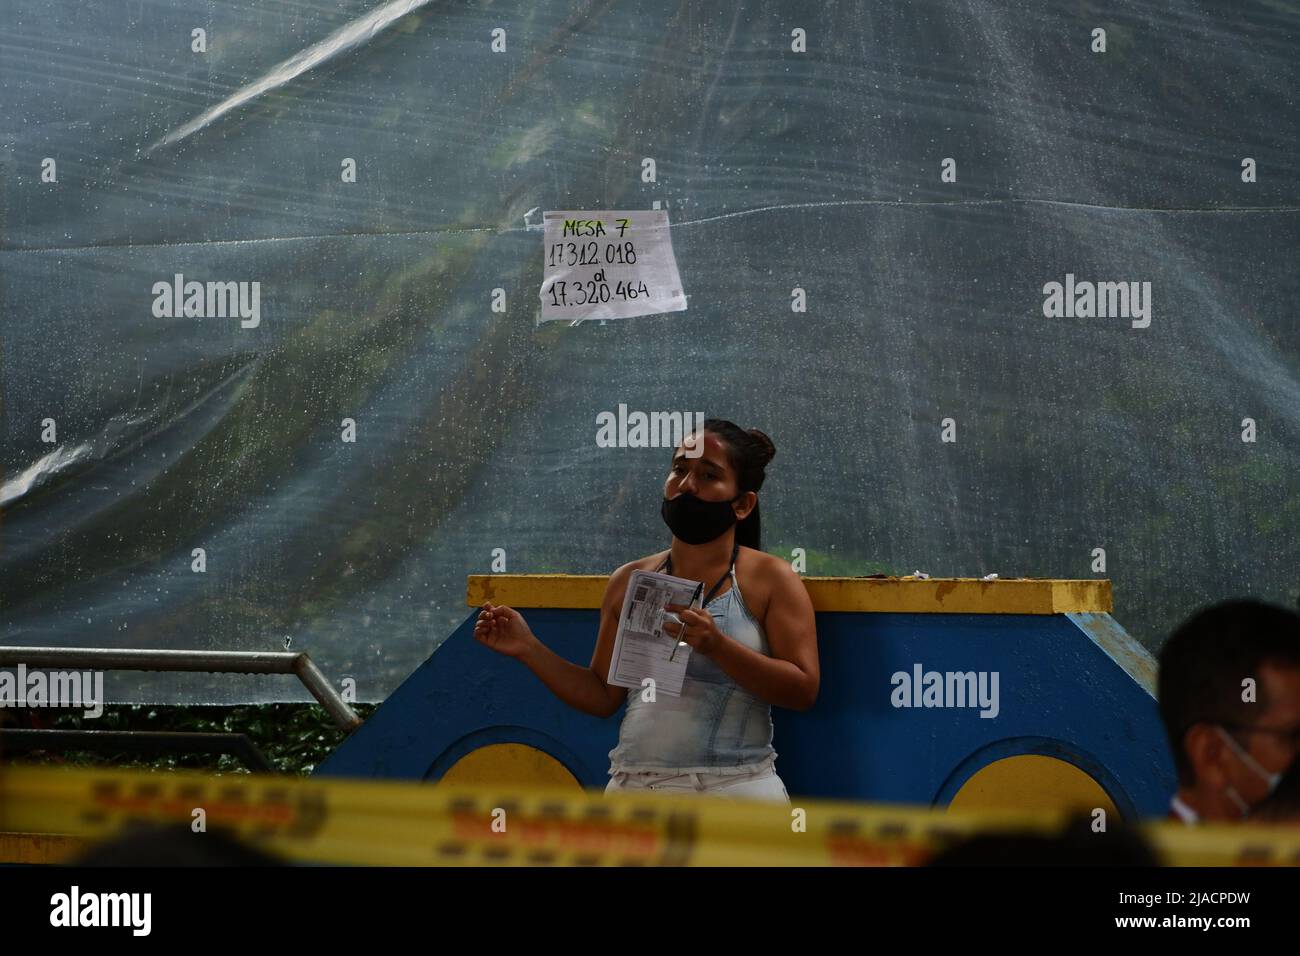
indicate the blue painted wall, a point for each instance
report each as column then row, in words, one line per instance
column 1059, row 694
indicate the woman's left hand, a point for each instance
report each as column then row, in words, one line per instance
column 697, row 629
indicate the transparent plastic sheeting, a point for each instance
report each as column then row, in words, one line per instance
column 476, row 430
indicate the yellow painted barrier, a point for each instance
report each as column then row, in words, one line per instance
column 390, row 823
column 899, row 594
column 40, row 847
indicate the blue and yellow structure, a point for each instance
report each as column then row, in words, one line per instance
column 1076, row 724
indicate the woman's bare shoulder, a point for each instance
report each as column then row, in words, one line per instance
column 649, row 563
column 616, row 584
column 762, row 573
column 765, row 565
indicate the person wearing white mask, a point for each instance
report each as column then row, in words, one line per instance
column 1229, row 691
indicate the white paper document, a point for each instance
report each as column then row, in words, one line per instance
column 641, row 646
column 608, row 265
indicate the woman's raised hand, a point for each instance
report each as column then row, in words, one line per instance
column 504, row 630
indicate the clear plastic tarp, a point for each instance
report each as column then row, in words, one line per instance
column 132, row 439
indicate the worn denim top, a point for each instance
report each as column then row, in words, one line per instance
column 715, row 726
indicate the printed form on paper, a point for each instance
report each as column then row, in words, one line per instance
column 641, row 646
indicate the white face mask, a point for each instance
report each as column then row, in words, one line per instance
column 1272, row 779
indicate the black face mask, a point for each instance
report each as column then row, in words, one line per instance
column 695, row 520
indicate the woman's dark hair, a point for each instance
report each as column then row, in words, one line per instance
column 749, row 452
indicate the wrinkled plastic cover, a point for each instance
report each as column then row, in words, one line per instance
column 475, row 429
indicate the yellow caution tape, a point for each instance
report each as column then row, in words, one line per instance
column 390, row 823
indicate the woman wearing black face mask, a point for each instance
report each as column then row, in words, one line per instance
column 753, row 641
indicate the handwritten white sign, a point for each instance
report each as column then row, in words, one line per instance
column 609, row 265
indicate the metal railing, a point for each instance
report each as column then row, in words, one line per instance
column 211, row 662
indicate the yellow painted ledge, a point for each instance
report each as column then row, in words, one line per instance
column 907, row 595
column 44, row 848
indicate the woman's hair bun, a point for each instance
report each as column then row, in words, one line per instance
column 765, row 443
